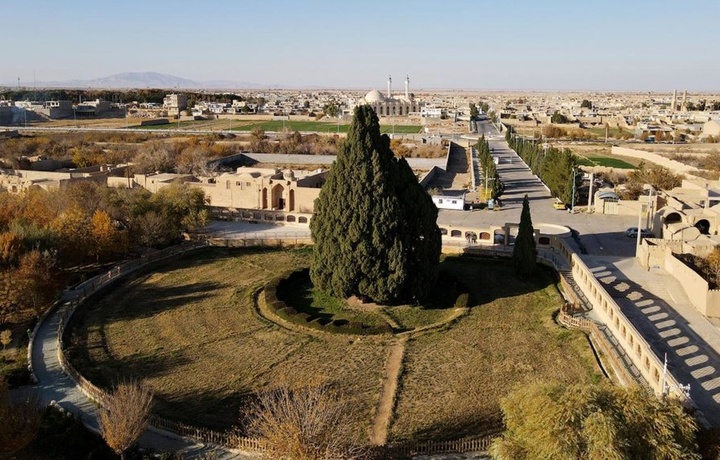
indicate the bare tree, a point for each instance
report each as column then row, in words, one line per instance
column 19, row 420
column 314, row 423
column 125, row 416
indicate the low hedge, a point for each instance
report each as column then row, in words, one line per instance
column 320, row 323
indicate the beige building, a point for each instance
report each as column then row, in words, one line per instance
column 387, row 105
column 253, row 193
column 174, row 103
column 19, row 180
column 711, row 128
column 51, row 109
column 690, row 210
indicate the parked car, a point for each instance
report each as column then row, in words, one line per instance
column 632, row 232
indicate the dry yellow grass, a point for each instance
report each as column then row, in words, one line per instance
column 190, row 330
column 453, row 379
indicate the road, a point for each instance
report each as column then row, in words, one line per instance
column 600, row 234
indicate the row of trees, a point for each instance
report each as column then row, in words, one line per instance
column 43, row 232
column 294, row 143
column 491, row 179
column 555, row 167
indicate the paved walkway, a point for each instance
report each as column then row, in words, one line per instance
column 55, row 385
column 657, row 306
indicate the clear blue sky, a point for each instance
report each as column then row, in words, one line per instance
column 500, row 44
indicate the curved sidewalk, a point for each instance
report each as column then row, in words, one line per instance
column 54, row 385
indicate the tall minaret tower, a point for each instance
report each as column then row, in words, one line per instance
column 389, row 94
column 673, row 105
column 407, row 87
column 683, row 107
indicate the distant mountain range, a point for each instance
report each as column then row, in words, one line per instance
column 141, row 80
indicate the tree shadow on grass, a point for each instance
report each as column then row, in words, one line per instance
column 140, row 366
column 459, row 426
column 209, row 255
column 488, row 279
column 133, row 299
column 206, row 409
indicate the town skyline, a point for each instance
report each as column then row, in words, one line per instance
column 523, row 46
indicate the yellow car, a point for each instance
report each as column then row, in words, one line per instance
column 559, row 205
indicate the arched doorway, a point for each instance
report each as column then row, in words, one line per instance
column 704, row 226
column 264, row 198
column 291, row 204
column 672, row 218
column 277, row 200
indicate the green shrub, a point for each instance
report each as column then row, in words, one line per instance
column 303, row 317
column 317, row 323
column 270, row 295
column 462, row 300
column 277, row 305
column 286, row 311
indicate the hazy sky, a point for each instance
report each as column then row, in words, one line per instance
column 500, row 44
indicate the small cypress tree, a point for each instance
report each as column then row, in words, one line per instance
column 525, row 253
column 374, row 227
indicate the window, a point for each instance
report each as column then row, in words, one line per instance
column 440, row 201
column 454, row 201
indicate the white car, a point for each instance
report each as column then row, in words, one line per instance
column 632, row 232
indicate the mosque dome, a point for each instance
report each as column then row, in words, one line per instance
column 374, row 96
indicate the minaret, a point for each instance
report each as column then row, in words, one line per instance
column 407, row 87
column 389, row 86
column 683, row 107
column 673, row 105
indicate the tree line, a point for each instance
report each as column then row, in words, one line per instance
column 490, row 176
column 43, row 233
column 555, row 167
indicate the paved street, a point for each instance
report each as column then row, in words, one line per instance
column 657, row 306
column 599, row 233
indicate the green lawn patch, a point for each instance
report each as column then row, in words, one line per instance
column 611, row 162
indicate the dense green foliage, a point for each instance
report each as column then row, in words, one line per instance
column 559, row 118
column 561, row 422
column 489, row 171
column 555, row 167
column 586, row 104
column 525, row 252
column 374, row 228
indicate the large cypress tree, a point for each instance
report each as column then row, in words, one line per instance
column 525, row 252
column 374, row 227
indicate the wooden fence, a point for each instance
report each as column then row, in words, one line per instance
column 457, row 446
column 235, row 441
column 228, row 439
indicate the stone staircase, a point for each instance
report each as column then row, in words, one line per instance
column 611, row 346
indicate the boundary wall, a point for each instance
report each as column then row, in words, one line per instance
column 557, row 255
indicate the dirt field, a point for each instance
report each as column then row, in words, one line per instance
column 190, row 329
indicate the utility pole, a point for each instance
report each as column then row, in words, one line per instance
column 572, row 205
column 639, row 227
